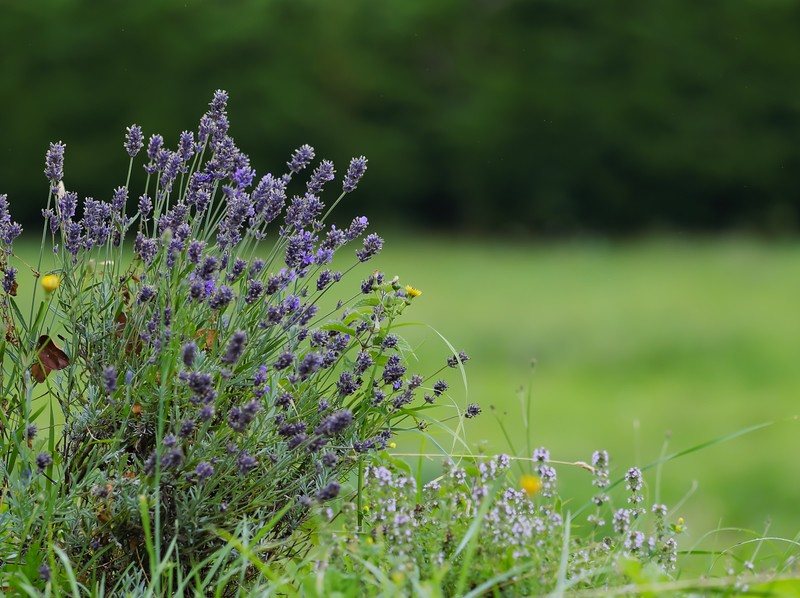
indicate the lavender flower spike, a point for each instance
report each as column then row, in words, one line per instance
column 356, row 170
column 54, row 163
column 134, row 140
column 235, row 347
column 301, row 158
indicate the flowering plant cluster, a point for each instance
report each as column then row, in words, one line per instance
column 205, row 380
column 473, row 529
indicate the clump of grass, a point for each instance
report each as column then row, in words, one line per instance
column 479, row 529
column 226, row 374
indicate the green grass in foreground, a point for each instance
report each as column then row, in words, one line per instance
column 692, row 339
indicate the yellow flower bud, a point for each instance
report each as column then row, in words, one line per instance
column 50, row 282
column 392, row 445
column 531, row 484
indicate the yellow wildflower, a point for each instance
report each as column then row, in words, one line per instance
column 531, row 484
column 412, row 292
column 50, row 282
column 392, row 445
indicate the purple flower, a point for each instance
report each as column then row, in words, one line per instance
column 256, row 267
column 189, row 353
column 354, row 173
column 321, row 175
column 328, row 492
column 145, row 248
column 134, row 140
column 393, row 370
column 301, row 158
column 96, row 215
column 154, row 146
column 246, row 462
column 173, row 458
column 334, row 423
column 201, row 386
column 44, row 573
column 204, row 471
column 356, row 228
column 372, row 245
column 30, row 431
column 235, row 347
column 207, row 268
column 8, row 230
column 145, row 206
column 439, row 387
column 310, row 364
column 187, row 428
column 454, row 360
column 294, row 441
column 300, row 250
column 54, row 164
column 110, row 379
column 363, row 362
column 347, row 384
column 285, row 400
column 473, row 409
column 254, row 290
column 9, row 278
column 329, row 459
column 43, row 461
column 206, row 413
column 146, row 294
column 119, row 199
column 66, row 205
column 541, row 455
column 198, row 192
column 284, row 360
column 222, row 297
column 186, row 145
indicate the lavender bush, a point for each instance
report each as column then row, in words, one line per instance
column 207, row 380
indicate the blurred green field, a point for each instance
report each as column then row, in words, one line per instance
column 687, row 338
column 693, row 339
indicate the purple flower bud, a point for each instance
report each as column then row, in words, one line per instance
column 43, row 461
column 110, row 379
column 204, row 471
column 235, row 347
column 322, row 175
column 301, row 158
column 189, row 353
column 9, row 278
column 329, row 492
column 473, row 410
column 145, row 206
column 355, row 171
column 334, row 423
column 54, row 164
column 134, row 140
column 372, row 245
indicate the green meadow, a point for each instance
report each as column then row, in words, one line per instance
column 642, row 348
column 637, row 344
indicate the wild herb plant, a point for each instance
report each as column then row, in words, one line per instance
column 209, row 380
column 478, row 528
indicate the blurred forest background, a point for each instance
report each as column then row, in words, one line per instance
column 497, row 116
column 663, row 136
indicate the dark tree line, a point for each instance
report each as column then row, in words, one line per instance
column 548, row 116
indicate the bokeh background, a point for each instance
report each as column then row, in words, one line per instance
column 610, row 188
